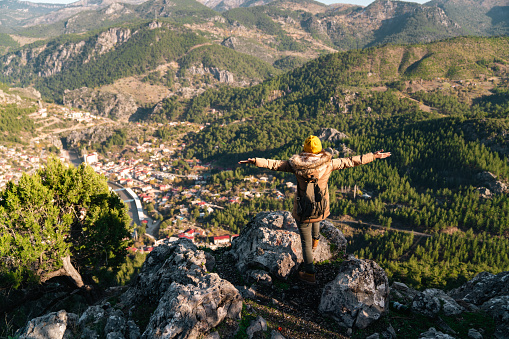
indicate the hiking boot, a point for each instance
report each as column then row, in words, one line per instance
column 315, row 244
column 308, row 278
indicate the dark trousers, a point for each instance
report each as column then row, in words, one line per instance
column 308, row 232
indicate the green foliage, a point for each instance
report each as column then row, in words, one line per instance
column 57, row 212
column 242, row 65
column 7, row 43
column 13, row 121
column 123, row 274
column 441, row 261
column 142, row 52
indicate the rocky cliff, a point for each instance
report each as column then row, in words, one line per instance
column 116, row 106
column 54, row 57
column 185, row 292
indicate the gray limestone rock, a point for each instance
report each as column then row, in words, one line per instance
column 117, row 106
column 474, row 334
column 54, row 325
column 403, row 293
column 489, row 180
column 359, row 294
column 331, row 134
column 276, row 335
column 271, row 242
column 498, row 308
column 259, row 276
column 189, row 300
column 106, row 320
column 432, row 333
column 257, row 325
column 247, row 293
column 482, row 288
column 431, row 301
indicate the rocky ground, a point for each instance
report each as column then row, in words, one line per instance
column 289, row 307
column 250, row 290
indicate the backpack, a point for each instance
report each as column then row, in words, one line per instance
column 312, row 201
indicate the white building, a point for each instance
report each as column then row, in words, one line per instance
column 90, row 158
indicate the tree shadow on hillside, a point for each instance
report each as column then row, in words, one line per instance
column 499, row 15
column 141, row 114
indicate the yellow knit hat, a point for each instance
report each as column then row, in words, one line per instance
column 312, row 145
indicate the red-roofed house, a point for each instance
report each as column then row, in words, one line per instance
column 223, row 239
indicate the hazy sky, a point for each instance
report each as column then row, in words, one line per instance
column 356, row 2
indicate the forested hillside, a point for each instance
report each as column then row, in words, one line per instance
column 443, row 121
column 99, row 58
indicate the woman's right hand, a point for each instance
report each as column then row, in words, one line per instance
column 248, row 161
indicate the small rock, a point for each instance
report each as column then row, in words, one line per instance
column 349, row 332
column 257, row 325
column 276, row 335
column 246, row 293
column 259, row 276
column 432, row 300
column 54, row 325
column 474, row 334
column 358, row 295
column 432, row 333
column 213, row 335
column 390, row 333
column 374, row 336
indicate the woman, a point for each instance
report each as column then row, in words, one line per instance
column 312, row 167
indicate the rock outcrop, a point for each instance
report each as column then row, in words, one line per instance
column 220, row 75
column 176, row 296
column 173, row 291
column 270, row 244
column 431, row 301
column 359, row 294
column 89, row 136
column 189, row 300
column 331, row 134
column 489, row 180
column 490, row 292
column 117, row 106
column 54, row 325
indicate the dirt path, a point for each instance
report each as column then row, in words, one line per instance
column 359, row 224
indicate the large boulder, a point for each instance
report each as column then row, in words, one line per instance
column 498, row 308
column 358, row 296
column 106, row 321
column 491, row 293
column 431, row 301
column 482, row 288
column 189, row 300
column 54, row 325
column 271, row 243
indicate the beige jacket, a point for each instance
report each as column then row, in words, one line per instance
column 319, row 165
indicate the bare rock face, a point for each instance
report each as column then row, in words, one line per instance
column 55, row 325
column 104, row 319
column 220, row 75
column 491, row 293
column 498, row 308
column 482, row 288
column 403, row 293
column 489, row 180
column 432, row 333
column 271, row 243
column 359, row 294
column 117, row 106
column 331, row 134
column 431, row 301
column 189, row 300
column 92, row 135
